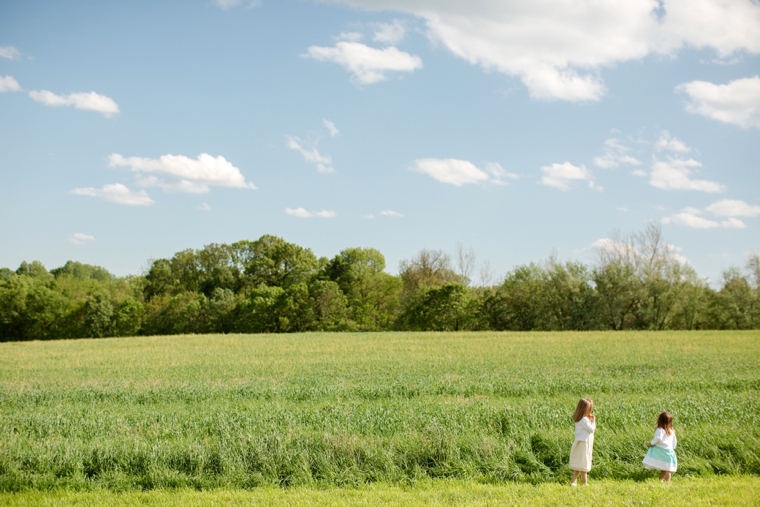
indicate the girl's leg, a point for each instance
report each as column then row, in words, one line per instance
column 584, row 478
column 575, row 477
column 663, row 475
column 667, row 476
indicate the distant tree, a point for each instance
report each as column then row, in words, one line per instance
column 451, row 307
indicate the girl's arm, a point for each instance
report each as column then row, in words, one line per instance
column 588, row 425
column 658, row 434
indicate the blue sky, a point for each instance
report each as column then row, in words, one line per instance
column 133, row 130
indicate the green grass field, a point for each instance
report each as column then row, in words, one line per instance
column 372, row 414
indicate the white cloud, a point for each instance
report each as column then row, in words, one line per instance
column 117, row 193
column 192, row 176
column 80, row 239
column 302, row 213
column 228, row 4
column 689, row 217
column 366, row 64
column 498, row 173
column 389, row 33
column 369, row 217
column 640, row 173
column 89, row 101
column 9, row 52
column 675, row 174
column 323, row 162
column 204, row 207
column 737, row 102
column 349, row 36
column 670, row 143
column 733, row 208
column 733, row 223
column 8, row 84
column 563, row 175
column 460, row 172
column 614, row 155
column 391, row 213
column 330, row 126
column 558, row 47
column 624, row 209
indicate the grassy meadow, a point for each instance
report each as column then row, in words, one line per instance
column 319, row 411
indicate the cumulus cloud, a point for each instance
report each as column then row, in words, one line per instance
column 302, row 213
column 88, row 101
column 676, row 174
column 367, row 65
column 9, row 52
column 186, row 174
column 733, row 208
column 737, row 102
column 117, row 193
column 557, row 48
column 323, row 162
column 564, row 175
column 391, row 213
column 80, row 239
column 330, row 126
column 689, row 217
column 389, row 33
column 8, row 84
column 460, row 172
column 615, row 155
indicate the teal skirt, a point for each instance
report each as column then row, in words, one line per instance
column 658, row 458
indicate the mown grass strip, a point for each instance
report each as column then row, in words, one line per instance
column 714, row 491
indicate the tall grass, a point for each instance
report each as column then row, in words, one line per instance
column 339, row 409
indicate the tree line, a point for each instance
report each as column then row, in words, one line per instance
column 273, row 286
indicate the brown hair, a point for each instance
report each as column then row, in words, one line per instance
column 584, row 408
column 665, row 421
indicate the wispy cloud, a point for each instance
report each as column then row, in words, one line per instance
column 186, row 174
column 389, row 33
column 366, row 65
column 323, row 162
column 80, row 239
column 8, row 84
column 737, row 102
column 204, row 207
column 391, row 213
column 228, row 4
column 564, row 176
column 614, row 155
column 330, row 126
column 690, row 217
column 302, row 213
column 9, row 52
column 88, row 101
column 461, row 172
column 117, row 193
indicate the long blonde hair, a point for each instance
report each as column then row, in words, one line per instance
column 584, row 408
column 665, row 421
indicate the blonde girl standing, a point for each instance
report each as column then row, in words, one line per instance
column 583, row 446
column 662, row 449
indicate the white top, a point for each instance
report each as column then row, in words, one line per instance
column 662, row 439
column 584, row 428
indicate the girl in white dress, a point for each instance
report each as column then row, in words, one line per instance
column 662, row 449
column 583, row 446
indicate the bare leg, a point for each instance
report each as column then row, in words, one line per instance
column 667, row 476
column 575, row 477
column 584, row 478
column 663, row 475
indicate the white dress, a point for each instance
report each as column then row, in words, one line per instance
column 662, row 454
column 583, row 446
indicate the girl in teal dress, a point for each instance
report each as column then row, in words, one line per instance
column 662, row 449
